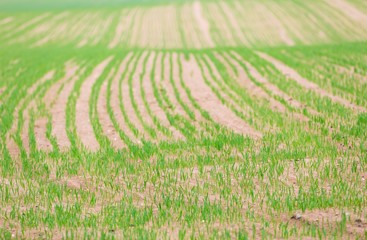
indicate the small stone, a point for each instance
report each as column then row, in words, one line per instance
column 297, row 216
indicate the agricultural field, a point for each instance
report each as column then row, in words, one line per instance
column 236, row 119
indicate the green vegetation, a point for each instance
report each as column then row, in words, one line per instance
column 191, row 140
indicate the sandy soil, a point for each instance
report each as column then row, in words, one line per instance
column 274, row 89
column 203, row 23
column 208, row 101
column 158, row 112
column 27, row 113
column 6, row 20
column 58, row 110
column 40, row 129
column 350, row 10
column 104, row 118
column 236, row 28
column 83, row 122
column 10, row 142
column 176, row 60
column 136, row 87
column 307, row 84
column 244, row 81
column 121, row 26
column 27, row 24
column 165, row 85
column 115, row 99
column 127, row 98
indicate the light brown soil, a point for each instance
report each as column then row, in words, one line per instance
column 208, row 101
column 236, row 28
column 104, row 118
column 11, row 144
column 127, row 100
column 136, row 87
column 183, row 94
column 274, row 89
column 307, row 84
column 330, row 219
column 6, row 20
column 115, row 101
column 2, row 89
column 51, row 35
column 165, row 85
column 351, row 11
column 27, row 24
column 234, row 99
column 51, row 95
column 58, row 108
column 40, row 129
column 121, row 26
column 244, row 81
column 158, row 112
column 83, row 125
column 203, row 23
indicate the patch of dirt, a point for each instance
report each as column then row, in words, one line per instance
column 203, row 23
column 158, row 112
column 115, row 99
column 138, row 97
column 351, row 11
column 40, row 129
column 6, row 20
column 331, row 219
column 120, row 28
column 236, row 28
column 289, row 72
column 127, row 98
column 83, row 125
column 182, row 92
column 58, row 106
column 2, row 90
column 27, row 24
column 10, row 142
column 208, row 101
column 244, row 81
column 274, row 89
column 164, row 85
column 104, row 118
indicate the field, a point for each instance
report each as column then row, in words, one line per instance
column 183, row 119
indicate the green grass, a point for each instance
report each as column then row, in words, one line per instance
column 210, row 183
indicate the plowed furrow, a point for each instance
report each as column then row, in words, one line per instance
column 245, row 81
column 142, row 71
column 26, row 25
column 124, row 68
column 203, row 23
column 128, row 99
column 221, row 92
column 18, row 114
column 83, row 125
column 180, row 92
column 208, row 101
column 151, row 103
column 271, row 87
column 6, row 21
column 40, row 131
column 58, row 109
column 104, row 118
column 307, row 84
column 166, row 87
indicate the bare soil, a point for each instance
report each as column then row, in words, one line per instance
column 208, row 101
column 307, row 84
column 83, row 122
